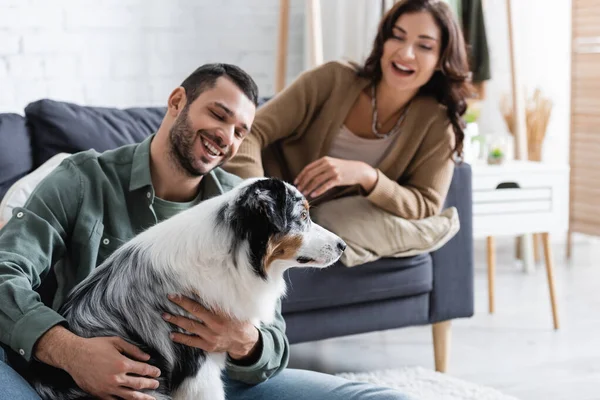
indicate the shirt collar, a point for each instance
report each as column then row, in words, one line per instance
column 212, row 187
column 140, row 172
column 140, row 167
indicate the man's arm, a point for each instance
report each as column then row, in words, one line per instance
column 253, row 354
column 56, row 337
column 30, row 243
column 271, row 356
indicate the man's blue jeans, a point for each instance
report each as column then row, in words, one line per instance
column 13, row 385
column 291, row 384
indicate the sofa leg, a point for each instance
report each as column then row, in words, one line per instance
column 441, row 344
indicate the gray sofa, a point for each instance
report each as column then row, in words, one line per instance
column 389, row 293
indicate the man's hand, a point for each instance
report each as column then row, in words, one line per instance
column 99, row 365
column 216, row 333
column 327, row 172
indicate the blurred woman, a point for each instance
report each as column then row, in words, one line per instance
column 388, row 130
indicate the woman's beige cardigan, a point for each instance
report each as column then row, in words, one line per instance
column 298, row 125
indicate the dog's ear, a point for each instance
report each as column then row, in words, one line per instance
column 266, row 203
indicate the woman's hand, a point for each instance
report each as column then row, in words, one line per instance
column 327, row 172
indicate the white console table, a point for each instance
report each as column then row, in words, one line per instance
column 520, row 198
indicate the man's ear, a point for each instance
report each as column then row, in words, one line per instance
column 176, row 102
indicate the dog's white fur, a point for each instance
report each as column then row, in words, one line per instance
column 205, row 253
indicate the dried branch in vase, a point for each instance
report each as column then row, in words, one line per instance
column 537, row 115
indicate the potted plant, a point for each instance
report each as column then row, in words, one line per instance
column 495, row 156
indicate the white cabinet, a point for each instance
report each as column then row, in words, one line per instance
column 520, row 197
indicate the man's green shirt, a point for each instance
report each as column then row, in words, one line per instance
column 75, row 218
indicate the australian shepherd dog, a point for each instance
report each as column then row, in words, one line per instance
column 228, row 253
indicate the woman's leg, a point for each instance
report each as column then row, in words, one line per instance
column 12, row 385
column 294, row 384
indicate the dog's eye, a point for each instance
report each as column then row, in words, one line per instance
column 304, row 215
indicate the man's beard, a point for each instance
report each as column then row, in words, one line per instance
column 181, row 139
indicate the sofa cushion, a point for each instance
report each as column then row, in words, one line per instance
column 338, row 285
column 15, row 150
column 60, row 127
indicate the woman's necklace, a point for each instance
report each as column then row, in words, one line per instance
column 396, row 127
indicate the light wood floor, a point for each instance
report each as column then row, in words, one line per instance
column 515, row 350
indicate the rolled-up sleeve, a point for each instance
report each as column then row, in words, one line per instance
column 274, row 355
column 30, row 243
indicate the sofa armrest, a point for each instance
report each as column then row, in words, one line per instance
column 452, row 294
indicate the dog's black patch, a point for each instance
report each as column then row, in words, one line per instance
column 189, row 360
column 220, row 220
column 263, row 210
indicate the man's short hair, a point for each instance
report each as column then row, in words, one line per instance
column 205, row 77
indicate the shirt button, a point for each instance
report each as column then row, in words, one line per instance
column 22, row 352
column 148, row 195
column 19, row 215
column 105, row 241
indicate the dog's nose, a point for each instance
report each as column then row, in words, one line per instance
column 341, row 246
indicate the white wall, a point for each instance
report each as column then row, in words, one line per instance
column 543, row 31
column 349, row 28
column 133, row 52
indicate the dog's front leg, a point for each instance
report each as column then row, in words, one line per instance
column 158, row 396
column 190, row 390
column 205, row 385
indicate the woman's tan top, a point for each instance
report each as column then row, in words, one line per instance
column 298, row 126
column 346, row 145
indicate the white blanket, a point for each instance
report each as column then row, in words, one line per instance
column 20, row 191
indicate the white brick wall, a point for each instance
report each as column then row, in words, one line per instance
column 133, row 52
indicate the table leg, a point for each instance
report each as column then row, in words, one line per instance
column 491, row 264
column 550, row 274
column 536, row 248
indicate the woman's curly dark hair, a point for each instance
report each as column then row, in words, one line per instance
column 449, row 85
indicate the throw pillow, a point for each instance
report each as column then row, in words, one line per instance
column 62, row 127
column 372, row 233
